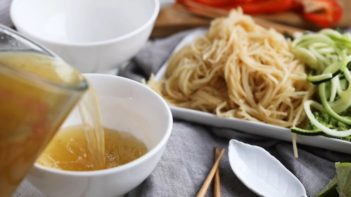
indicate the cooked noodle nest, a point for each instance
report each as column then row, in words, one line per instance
column 238, row 69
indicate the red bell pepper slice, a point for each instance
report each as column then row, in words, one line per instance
column 268, row 6
column 324, row 13
column 226, row 3
column 216, row 3
column 252, row 6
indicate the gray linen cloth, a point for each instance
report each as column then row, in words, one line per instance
column 189, row 153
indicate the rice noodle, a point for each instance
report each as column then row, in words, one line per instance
column 238, row 69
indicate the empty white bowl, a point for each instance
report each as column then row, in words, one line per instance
column 91, row 35
column 125, row 106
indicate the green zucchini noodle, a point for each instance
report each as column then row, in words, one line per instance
column 238, row 69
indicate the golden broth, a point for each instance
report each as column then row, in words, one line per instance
column 69, row 150
column 31, row 109
column 89, row 111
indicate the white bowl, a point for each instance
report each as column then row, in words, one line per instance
column 91, row 35
column 126, row 106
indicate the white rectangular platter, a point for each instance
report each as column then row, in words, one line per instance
column 256, row 128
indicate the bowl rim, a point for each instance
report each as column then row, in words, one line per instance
column 20, row 28
column 149, row 154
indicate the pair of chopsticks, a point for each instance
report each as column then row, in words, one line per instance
column 214, row 172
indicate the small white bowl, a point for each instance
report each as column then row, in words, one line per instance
column 91, row 35
column 125, row 106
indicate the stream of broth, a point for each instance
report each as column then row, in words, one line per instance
column 92, row 125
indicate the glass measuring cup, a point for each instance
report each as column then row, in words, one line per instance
column 35, row 97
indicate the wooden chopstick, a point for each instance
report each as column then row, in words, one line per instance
column 217, row 178
column 210, row 175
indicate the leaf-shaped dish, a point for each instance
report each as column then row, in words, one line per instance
column 261, row 172
column 257, row 128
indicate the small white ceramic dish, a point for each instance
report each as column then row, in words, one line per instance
column 93, row 36
column 252, row 127
column 261, row 172
column 125, row 106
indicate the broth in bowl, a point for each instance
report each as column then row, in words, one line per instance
column 89, row 146
column 69, row 150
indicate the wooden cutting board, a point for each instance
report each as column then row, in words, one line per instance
column 176, row 18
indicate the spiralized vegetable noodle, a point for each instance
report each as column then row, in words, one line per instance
column 239, row 69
